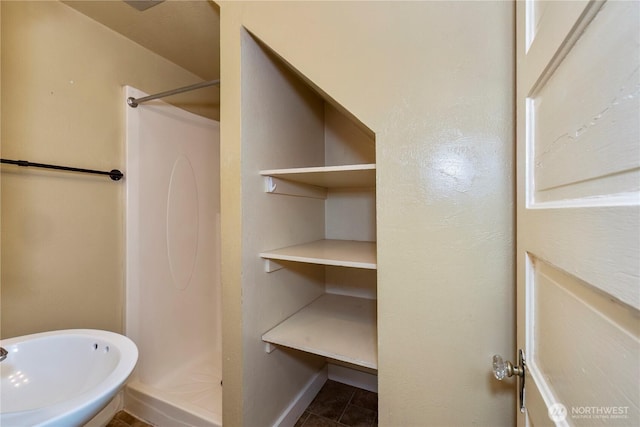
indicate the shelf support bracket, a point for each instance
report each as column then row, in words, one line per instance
column 281, row 186
column 270, row 348
column 270, row 266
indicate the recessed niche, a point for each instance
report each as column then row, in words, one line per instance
column 309, row 193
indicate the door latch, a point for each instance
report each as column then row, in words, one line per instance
column 502, row 369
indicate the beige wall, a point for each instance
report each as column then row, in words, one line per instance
column 434, row 81
column 62, row 234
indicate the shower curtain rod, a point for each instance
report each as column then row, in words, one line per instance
column 133, row 102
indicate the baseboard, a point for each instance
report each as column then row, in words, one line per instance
column 356, row 378
column 302, row 400
column 147, row 404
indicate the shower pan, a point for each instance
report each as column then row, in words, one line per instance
column 173, row 310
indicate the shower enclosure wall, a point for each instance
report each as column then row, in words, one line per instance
column 173, row 308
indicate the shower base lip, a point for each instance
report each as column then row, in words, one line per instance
column 161, row 408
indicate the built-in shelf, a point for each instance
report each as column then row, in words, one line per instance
column 335, row 326
column 341, row 253
column 363, row 175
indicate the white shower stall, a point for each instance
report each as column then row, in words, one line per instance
column 173, row 295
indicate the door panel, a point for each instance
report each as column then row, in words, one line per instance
column 588, row 118
column 545, row 26
column 578, row 220
column 580, row 335
column 596, row 244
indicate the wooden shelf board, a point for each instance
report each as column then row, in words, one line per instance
column 339, row 327
column 341, row 253
column 347, row 176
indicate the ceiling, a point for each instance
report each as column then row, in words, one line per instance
column 186, row 32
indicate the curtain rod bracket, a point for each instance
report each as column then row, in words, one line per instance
column 115, row 175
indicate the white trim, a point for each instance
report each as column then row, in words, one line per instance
column 298, row 405
column 529, row 142
column 545, row 391
column 529, row 307
column 154, row 408
column 630, row 198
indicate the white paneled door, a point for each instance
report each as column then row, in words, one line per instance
column 578, row 227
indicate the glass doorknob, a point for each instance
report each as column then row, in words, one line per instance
column 502, row 369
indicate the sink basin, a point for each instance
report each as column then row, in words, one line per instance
column 62, row 378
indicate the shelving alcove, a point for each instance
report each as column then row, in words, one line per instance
column 309, row 197
column 337, row 326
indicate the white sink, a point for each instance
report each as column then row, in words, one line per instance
column 62, row 378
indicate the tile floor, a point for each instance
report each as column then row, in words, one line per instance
column 124, row 419
column 336, row 405
column 339, row 405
